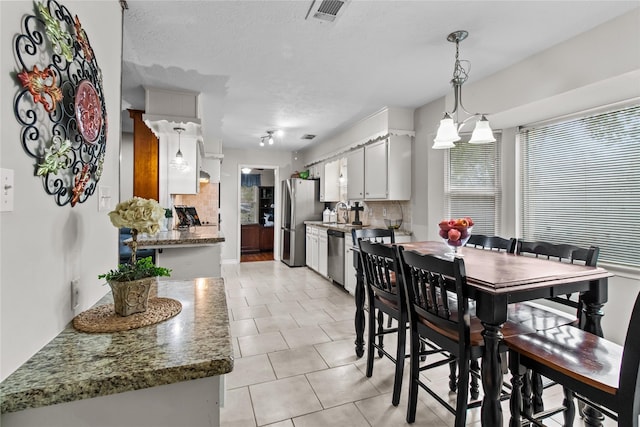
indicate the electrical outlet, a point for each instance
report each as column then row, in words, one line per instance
column 384, row 211
column 75, row 293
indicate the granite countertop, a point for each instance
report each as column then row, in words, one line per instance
column 76, row 365
column 338, row 226
column 192, row 236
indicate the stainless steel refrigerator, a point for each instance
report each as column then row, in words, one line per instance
column 300, row 203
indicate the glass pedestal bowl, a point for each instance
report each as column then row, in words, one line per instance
column 455, row 239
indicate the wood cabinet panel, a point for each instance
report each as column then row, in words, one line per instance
column 250, row 238
column 145, row 158
column 266, row 239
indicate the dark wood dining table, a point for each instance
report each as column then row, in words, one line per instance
column 498, row 279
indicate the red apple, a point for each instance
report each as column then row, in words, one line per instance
column 444, row 234
column 454, row 234
column 444, row 225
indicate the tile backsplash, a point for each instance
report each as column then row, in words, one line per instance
column 205, row 202
column 374, row 213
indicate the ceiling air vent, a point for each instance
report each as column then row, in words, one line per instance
column 326, row 10
column 307, row 136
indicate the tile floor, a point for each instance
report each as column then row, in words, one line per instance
column 295, row 363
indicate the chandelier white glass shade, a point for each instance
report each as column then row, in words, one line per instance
column 245, row 170
column 178, row 162
column 450, row 125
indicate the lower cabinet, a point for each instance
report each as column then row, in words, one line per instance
column 266, row 239
column 317, row 249
column 323, row 251
column 250, row 238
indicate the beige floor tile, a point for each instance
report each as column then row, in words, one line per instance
column 236, row 348
column 304, row 336
column 285, row 423
column 380, row 412
column 283, row 399
column 285, row 307
column 344, row 384
column 237, row 410
column 322, row 292
column 342, row 313
column 256, row 312
column 340, row 330
column 292, row 296
column 250, row 370
column 338, row 353
column 262, row 343
column 317, row 304
column 240, row 328
column 236, row 302
column 314, row 317
column 260, row 299
column 240, row 292
column 345, row 415
column 297, row 361
column 276, row 323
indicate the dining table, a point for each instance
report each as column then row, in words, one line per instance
column 495, row 280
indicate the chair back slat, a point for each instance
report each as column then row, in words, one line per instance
column 379, row 265
column 492, row 243
column 428, row 283
column 629, row 387
column 565, row 253
column 379, row 235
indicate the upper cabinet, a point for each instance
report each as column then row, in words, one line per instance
column 381, row 170
column 330, row 182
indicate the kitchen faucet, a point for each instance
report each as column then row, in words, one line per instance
column 345, row 214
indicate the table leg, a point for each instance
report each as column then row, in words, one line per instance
column 359, row 318
column 593, row 316
column 491, row 413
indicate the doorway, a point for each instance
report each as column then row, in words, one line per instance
column 257, row 213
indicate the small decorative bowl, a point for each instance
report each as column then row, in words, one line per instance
column 393, row 224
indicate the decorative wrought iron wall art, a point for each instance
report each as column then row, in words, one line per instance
column 60, row 103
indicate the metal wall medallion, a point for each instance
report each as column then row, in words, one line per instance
column 60, row 104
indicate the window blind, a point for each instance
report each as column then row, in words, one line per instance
column 472, row 184
column 580, row 183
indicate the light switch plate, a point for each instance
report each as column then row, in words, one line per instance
column 104, row 198
column 6, row 190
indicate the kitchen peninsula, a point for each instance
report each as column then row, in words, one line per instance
column 190, row 253
column 167, row 374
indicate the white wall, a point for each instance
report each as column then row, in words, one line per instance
column 229, row 187
column 44, row 246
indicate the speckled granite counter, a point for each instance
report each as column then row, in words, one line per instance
column 194, row 236
column 189, row 254
column 75, row 365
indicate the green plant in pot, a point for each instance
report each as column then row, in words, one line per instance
column 130, row 283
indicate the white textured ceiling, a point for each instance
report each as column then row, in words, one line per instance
column 260, row 65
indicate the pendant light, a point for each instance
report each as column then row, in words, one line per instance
column 448, row 131
column 179, row 163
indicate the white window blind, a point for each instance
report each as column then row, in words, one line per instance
column 472, row 184
column 581, row 184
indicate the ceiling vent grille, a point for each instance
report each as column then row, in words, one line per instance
column 326, row 10
column 307, row 136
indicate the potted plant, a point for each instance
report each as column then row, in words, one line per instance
column 130, row 282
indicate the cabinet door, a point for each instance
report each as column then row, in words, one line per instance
column 314, row 248
column 355, row 175
column 375, row 170
column 309, row 243
column 349, row 270
column 323, row 252
column 250, row 238
column 320, row 175
column 331, row 182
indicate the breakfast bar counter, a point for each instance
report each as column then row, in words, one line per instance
column 151, row 376
column 188, row 253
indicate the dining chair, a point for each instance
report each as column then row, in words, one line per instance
column 492, row 243
column 554, row 318
column 440, row 312
column 597, row 372
column 384, row 296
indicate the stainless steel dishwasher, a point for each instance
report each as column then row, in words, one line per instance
column 335, row 259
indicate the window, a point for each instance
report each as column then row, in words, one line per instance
column 472, row 184
column 580, row 183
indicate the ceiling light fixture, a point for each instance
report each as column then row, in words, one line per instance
column 269, row 137
column 245, row 170
column 448, row 129
column 178, row 162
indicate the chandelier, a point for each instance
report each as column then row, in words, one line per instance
column 179, row 162
column 268, row 137
column 448, row 131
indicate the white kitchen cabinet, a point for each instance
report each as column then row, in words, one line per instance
column 381, row 170
column 308, row 244
column 330, row 182
column 323, row 251
column 314, row 248
column 349, row 268
column 355, row 174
